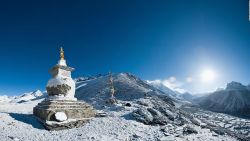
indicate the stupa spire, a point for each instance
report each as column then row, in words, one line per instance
column 61, row 53
column 62, row 60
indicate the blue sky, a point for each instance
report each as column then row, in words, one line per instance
column 155, row 40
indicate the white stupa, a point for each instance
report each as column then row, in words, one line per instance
column 61, row 110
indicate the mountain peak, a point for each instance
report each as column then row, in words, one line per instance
column 235, row 85
column 233, row 100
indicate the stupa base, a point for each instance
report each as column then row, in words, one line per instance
column 68, row 124
column 76, row 112
column 60, row 98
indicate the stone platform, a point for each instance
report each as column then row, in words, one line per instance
column 77, row 112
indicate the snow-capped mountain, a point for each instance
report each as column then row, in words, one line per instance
column 24, row 97
column 163, row 88
column 127, row 87
column 248, row 87
column 176, row 96
column 5, row 98
column 151, row 106
column 235, row 86
column 235, row 99
column 187, row 96
column 28, row 96
column 84, row 78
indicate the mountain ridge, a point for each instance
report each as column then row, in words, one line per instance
column 234, row 99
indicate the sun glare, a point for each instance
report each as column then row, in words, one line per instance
column 208, row 75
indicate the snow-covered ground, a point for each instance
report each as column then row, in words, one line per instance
column 18, row 123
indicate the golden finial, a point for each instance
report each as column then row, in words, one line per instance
column 61, row 53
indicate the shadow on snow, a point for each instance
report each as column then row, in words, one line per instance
column 28, row 119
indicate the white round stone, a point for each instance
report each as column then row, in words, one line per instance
column 61, row 116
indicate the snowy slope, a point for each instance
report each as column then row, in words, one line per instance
column 147, row 105
column 235, row 99
column 127, row 88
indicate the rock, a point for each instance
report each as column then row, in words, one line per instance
column 180, row 120
column 135, row 137
column 128, row 105
column 218, row 131
column 112, row 100
column 14, row 138
column 215, row 135
column 168, row 138
column 142, row 103
column 161, row 120
column 166, row 134
column 196, row 122
column 154, row 112
column 189, row 130
column 60, row 116
column 168, row 113
column 143, row 115
column 59, row 89
column 203, row 125
column 101, row 115
column 55, row 126
column 150, row 116
column 22, row 101
column 158, row 117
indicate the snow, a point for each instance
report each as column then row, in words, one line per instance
column 117, row 126
column 62, row 80
column 4, row 98
column 59, row 81
column 84, row 84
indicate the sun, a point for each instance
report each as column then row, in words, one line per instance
column 208, row 75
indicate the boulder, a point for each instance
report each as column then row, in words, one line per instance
column 159, row 118
column 143, row 115
column 189, row 130
column 128, row 105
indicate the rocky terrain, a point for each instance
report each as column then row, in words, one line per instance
column 221, row 123
column 141, row 112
